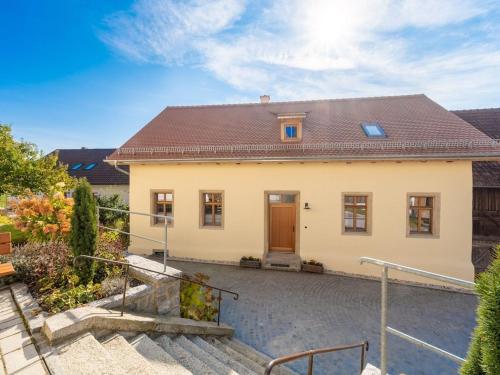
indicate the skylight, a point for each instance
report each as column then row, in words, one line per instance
column 373, row 130
column 76, row 166
column 88, row 167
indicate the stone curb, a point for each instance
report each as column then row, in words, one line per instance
column 31, row 311
column 74, row 322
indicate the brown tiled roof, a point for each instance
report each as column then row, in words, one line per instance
column 487, row 120
column 486, row 174
column 415, row 126
column 101, row 174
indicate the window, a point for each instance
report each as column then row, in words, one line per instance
column 90, row 166
column 76, row 166
column 355, row 215
column 373, row 130
column 291, row 131
column 420, row 214
column 281, row 198
column 212, row 209
column 163, row 204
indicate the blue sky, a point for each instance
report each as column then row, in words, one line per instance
column 91, row 73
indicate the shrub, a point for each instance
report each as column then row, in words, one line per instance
column 68, row 298
column 484, row 351
column 83, row 238
column 197, row 302
column 44, row 218
column 113, row 219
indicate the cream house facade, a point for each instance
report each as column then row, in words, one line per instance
column 348, row 180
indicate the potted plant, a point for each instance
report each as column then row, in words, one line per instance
column 250, row 262
column 312, row 266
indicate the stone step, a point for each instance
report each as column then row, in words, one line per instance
column 130, row 360
column 237, row 356
column 221, row 356
column 282, row 261
column 184, row 357
column 205, row 357
column 83, row 355
column 255, row 355
column 157, row 357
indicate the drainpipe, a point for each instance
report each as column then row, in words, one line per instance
column 120, row 170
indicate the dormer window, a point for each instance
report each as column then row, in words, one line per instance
column 291, row 126
column 291, row 132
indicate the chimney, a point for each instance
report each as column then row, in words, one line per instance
column 264, row 99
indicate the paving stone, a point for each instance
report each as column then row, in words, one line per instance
column 9, row 323
column 15, row 341
column 36, row 368
column 20, row 359
column 280, row 313
column 11, row 330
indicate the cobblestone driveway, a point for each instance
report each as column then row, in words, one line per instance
column 285, row 312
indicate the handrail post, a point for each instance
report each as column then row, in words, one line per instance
column 362, row 365
column 124, row 288
column 165, row 247
column 218, row 308
column 383, row 322
column 97, row 218
column 310, row 365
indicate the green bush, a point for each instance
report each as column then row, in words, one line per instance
column 68, row 298
column 83, row 236
column 197, row 302
column 114, row 219
column 483, row 357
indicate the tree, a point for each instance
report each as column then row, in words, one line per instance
column 483, row 357
column 23, row 166
column 83, row 237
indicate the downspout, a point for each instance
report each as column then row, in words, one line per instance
column 119, row 169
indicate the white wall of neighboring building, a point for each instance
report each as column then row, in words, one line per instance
column 121, row 190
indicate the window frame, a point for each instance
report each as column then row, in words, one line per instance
column 297, row 122
column 365, row 124
column 202, row 204
column 154, row 202
column 435, row 215
column 368, row 207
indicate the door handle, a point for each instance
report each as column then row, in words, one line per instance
column 293, row 228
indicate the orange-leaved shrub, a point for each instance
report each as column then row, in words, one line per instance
column 44, row 217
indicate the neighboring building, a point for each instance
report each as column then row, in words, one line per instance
column 486, row 206
column 89, row 163
column 330, row 180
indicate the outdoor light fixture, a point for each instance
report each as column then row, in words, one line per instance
column 306, row 206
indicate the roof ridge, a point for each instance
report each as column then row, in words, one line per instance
column 476, row 109
column 293, row 101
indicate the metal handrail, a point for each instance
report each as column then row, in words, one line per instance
column 384, row 328
column 165, row 223
column 311, row 353
column 127, row 265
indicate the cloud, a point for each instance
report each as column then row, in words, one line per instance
column 295, row 49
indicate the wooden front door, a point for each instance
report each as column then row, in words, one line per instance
column 282, row 226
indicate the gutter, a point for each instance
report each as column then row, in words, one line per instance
column 447, row 157
column 115, row 164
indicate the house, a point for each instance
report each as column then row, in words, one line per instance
column 89, row 163
column 329, row 180
column 486, row 181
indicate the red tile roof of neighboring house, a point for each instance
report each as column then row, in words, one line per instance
column 415, row 126
column 487, row 120
column 101, row 174
column 486, row 174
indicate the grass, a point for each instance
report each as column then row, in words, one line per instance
column 7, row 225
column 3, row 201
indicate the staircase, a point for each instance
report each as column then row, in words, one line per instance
column 282, row 261
column 165, row 354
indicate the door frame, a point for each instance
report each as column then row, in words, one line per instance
column 297, row 218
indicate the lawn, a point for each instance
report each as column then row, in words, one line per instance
column 7, row 225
